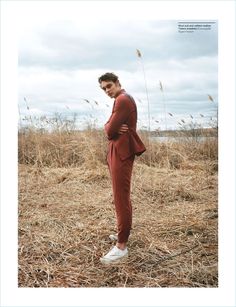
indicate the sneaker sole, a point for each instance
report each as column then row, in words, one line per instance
column 117, row 261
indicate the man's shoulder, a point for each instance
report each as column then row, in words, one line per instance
column 125, row 97
column 123, row 101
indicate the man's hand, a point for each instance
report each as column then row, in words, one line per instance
column 123, row 128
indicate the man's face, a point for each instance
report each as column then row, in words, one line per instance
column 110, row 88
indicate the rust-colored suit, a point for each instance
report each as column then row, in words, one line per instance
column 120, row 158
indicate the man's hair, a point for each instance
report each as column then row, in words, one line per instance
column 109, row 76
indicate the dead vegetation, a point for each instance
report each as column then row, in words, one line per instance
column 66, row 214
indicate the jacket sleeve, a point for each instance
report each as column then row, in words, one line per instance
column 119, row 116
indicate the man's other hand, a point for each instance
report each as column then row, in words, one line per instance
column 123, row 129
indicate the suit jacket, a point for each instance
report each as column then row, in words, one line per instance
column 124, row 112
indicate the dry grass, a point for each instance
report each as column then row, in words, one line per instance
column 66, row 214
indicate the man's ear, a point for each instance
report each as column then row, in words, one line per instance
column 118, row 83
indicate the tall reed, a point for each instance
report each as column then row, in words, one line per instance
column 146, row 89
column 147, row 96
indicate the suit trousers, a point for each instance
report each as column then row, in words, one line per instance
column 121, row 172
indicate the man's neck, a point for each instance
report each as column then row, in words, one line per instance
column 119, row 92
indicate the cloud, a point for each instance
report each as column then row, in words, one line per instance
column 66, row 45
column 60, row 62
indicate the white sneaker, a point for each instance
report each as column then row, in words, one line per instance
column 113, row 237
column 114, row 255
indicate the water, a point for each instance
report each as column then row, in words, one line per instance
column 180, row 139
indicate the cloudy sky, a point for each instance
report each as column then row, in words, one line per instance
column 61, row 57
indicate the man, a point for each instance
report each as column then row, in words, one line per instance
column 124, row 144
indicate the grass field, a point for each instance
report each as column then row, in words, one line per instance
column 66, row 213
